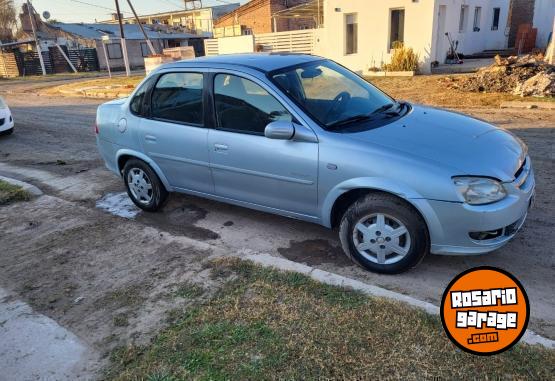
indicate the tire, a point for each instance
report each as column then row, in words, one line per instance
column 146, row 190
column 7, row 132
column 383, row 247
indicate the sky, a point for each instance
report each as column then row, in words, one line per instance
column 78, row 11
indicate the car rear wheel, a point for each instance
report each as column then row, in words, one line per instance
column 382, row 233
column 143, row 186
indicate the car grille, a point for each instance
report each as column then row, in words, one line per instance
column 522, row 174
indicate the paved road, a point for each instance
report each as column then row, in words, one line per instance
column 54, row 135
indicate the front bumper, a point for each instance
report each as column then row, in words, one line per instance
column 450, row 223
column 6, row 120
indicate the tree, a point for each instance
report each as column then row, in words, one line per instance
column 8, row 20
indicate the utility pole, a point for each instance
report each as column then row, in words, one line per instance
column 148, row 42
column 123, row 44
column 106, row 39
column 37, row 44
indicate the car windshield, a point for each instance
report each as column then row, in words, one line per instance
column 331, row 94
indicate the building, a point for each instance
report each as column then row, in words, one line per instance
column 544, row 21
column 91, row 35
column 256, row 17
column 362, row 37
column 196, row 21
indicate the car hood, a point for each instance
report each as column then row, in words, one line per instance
column 467, row 145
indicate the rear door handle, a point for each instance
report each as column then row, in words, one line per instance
column 220, row 147
column 150, row 138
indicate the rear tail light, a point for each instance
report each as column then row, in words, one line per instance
column 96, row 129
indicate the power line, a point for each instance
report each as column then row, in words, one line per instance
column 96, row 5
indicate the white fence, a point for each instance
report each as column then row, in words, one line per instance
column 211, row 47
column 298, row 41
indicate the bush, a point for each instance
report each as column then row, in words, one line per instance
column 403, row 59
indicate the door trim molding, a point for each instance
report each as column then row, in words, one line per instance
column 262, row 174
column 178, row 159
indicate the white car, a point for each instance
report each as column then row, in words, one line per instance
column 6, row 119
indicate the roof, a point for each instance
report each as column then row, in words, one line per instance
column 307, row 10
column 265, row 62
column 132, row 31
column 217, row 11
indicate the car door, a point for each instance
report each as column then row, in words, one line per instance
column 246, row 166
column 174, row 136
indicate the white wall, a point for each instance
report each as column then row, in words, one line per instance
column 469, row 41
column 238, row 44
column 544, row 15
column 373, row 31
column 422, row 30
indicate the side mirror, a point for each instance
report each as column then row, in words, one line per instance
column 280, row 130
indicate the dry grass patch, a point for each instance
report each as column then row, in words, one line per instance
column 265, row 324
column 98, row 88
column 12, row 193
column 433, row 90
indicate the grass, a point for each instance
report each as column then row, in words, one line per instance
column 265, row 324
column 12, row 193
column 432, row 90
column 188, row 290
column 101, row 88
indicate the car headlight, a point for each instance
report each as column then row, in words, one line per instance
column 3, row 104
column 479, row 190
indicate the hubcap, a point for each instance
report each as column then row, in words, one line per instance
column 140, row 185
column 381, row 239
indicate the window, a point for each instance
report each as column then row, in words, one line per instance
column 137, row 103
column 463, row 18
column 177, row 97
column 114, row 51
column 328, row 92
column 145, row 50
column 397, row 27
column 351, row 33
column 495, row 23
column 244, row 106
column 477, row 17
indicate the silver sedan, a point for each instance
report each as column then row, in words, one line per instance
column 303, row 137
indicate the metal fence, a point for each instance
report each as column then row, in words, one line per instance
column 28, row 63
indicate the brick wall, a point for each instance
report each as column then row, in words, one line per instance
column 522, row 12
column 257, row 16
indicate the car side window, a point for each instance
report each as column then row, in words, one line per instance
column 244, row 106
column 137, row 103
column 177, row 97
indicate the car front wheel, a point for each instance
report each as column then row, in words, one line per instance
column 382, row 233
column 143, row 186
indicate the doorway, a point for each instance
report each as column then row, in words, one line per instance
column 441, row 50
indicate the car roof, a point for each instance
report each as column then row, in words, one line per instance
column 265, row 62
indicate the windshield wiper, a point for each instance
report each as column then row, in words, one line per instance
column 351, row 119
column 383, row 108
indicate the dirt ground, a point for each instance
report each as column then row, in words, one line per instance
column 107, row 278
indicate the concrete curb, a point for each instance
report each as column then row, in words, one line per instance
column 266, row 260
column 33, row 190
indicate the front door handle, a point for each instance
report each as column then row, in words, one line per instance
column 220, row 147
